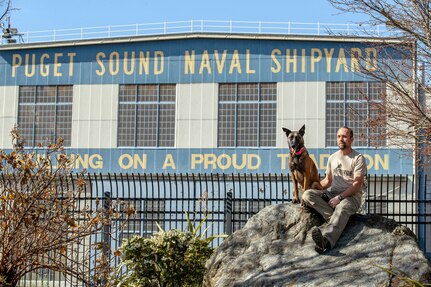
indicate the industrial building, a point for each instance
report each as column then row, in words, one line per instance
column 196, row 102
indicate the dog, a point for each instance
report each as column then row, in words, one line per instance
column 302, row 168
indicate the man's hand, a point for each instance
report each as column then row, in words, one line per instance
column 334, row 202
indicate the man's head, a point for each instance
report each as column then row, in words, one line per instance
column 344, row 138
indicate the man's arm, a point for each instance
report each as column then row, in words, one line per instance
column 326, row 182
column 352, row 190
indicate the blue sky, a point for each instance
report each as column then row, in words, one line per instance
column 37, row 15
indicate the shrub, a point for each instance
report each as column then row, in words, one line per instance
column 169, row 258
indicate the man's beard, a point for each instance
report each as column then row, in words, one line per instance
column 342, row 145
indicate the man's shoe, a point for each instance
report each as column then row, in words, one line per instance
column 322, row 244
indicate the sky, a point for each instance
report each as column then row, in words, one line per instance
column 41, row 15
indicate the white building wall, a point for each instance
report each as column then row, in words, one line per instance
column 94, row 116
column 300, row 103
column 8, row 114
column 196, row 115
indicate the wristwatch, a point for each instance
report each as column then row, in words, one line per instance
column 340, row 197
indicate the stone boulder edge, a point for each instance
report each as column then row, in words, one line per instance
column 275, row 248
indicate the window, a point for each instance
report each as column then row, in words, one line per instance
column 146, row 116
column 45, row 114
column 350, row 104
column 247, row 115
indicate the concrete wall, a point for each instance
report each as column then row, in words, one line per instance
column 197, row 115
column 94, row 116
column 298, row 104
column 8, row 114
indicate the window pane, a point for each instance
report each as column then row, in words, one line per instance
column 247, row 119
column 268, row 119
column 226, row 125
column 126, row 125
column 248, row 92
column 353, row 107
column 247, row 126
column 153, row 123
column 45, row 114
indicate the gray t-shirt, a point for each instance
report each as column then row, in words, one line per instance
column 344, row 168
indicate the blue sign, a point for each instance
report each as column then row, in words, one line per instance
column 194, row 61
column 250, row 160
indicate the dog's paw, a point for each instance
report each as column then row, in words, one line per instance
column 296, row 201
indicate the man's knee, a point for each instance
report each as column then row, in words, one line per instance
column 308, row 195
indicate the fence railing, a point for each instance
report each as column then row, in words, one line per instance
column 200, row 26
column 230, row 200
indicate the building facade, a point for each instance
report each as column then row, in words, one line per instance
column 195, row 102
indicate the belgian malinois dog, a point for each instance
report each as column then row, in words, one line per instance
column 301, row 166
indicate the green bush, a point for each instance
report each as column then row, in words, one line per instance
column 169, row 258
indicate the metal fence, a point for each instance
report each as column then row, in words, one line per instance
column 230, row 200
column 204, row 26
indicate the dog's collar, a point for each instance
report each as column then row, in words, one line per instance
column 298, row 152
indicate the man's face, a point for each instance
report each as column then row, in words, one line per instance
column 343, row 139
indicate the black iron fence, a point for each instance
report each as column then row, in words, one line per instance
column 229, row 200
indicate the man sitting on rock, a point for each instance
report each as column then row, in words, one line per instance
column 342, row 191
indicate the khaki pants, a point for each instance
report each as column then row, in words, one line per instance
column 336, row 219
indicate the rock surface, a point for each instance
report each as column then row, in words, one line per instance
column 275, row 248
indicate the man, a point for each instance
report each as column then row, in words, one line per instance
column 342, row 191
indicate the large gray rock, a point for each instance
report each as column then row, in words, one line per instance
column 275, row 249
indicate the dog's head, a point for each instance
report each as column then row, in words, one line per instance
column 295, row 139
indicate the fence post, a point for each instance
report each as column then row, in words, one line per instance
column 106, row 231
column 228, row 214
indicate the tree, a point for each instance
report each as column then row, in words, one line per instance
column 402, row 111
column 43, row 222
column 7, row 4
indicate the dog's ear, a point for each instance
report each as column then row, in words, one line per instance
column 287, row 131
column 302, row 131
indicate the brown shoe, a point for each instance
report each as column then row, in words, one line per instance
column 322, row 244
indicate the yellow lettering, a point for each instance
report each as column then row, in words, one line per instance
column 283, row 158
column 328, row 56
column 291, row 60
column 250, row 158
column 303, row 63
column 100, row 55
column 220, row 64
column 169, row 162
column 277, row 67
column 71, row 55
column 226, row 164
column 44, row 69
column 210, row 159
column 144, row 63
column 205, row 63
column 247, row 62
column 196, row 159
column 384, row 162
column 341, row 61
column 96, row 161
column 235, row 161
column 315, row 59
column 189, row 62
column 127, row 70
column 355, row 56
column 235, row 63
column 126, row 161
column 57, row 64
column 114, row 63
column 159, row 62
column 32, row 64
column 323, row 161
column 16, row 62
column 368, row 159
column 371, row 59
